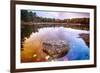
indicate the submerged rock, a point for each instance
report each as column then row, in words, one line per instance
column 55, row 48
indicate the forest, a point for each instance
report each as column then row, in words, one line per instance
column 29, row 16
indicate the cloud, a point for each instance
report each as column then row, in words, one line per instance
column 62, row 15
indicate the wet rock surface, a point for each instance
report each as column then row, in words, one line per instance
column 85, row 37
column 55, row 48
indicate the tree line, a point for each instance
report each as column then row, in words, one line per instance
column 29, row 16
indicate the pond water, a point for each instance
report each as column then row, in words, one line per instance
column 78, row 48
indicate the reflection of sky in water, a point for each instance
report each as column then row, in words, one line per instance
column 61, row 15
column 78, row 48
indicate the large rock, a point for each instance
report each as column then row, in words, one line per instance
column 86, row 38
column 55, row 48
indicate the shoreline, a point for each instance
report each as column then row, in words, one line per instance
column 85, row 37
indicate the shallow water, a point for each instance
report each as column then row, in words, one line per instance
column 78, row 49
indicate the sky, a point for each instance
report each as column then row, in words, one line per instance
column 61, row 15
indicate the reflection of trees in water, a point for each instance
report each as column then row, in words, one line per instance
column 26, row 30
